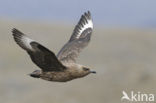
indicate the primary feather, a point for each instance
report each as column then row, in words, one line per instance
column 39, row 54
column 79, row 39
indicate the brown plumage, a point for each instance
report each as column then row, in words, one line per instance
column 63, row 67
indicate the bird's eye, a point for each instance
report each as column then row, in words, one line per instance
column 85, row 69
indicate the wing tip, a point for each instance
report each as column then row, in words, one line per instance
column 16, row 33
column 87, row 14
column 84, row 23
column 14, row 30
column 86, row 19
column 21, row 39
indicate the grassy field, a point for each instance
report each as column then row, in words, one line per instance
column 125, row 59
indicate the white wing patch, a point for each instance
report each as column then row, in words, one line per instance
column 22, row 40
column 88, row 24
column 26, row 41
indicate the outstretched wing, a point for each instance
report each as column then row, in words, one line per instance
column 40, row 55
column 79, row 39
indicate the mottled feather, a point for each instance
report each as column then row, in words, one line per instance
column 79, row 39
column 40, row 55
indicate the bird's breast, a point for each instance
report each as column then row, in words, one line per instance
column 57, row 76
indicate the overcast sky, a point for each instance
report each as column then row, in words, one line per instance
column 133, row 13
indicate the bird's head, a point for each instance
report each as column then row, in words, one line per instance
column 87, row 70
column 82, row 71
column 36, row 74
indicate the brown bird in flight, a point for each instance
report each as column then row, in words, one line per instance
column 63, row 67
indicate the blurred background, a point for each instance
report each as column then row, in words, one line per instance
column 122, row 49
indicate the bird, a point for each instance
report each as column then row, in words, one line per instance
column 61, row 67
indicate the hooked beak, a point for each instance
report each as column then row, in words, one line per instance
column 94, row 72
